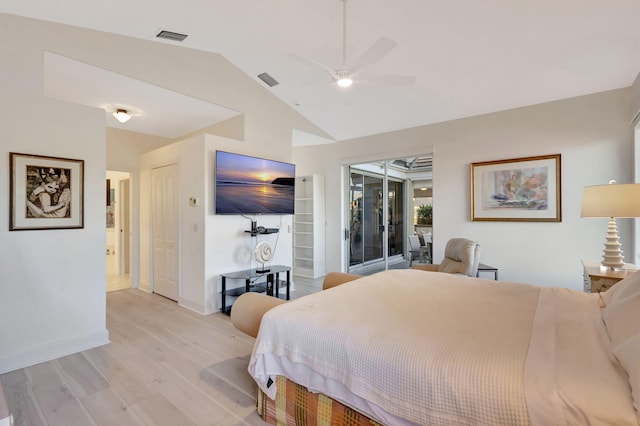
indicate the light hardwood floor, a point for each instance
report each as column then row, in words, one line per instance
column 165, row 365
column 115, row 281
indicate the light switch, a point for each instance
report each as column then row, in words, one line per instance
column 193, row 201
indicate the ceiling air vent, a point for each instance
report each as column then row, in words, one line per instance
column 269, row 81
column 170, row 35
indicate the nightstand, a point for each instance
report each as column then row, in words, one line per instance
column 598, row 279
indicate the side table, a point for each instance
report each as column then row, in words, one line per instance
column 486, row 268
column 598, row 278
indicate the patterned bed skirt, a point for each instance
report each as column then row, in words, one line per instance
column 296, row 406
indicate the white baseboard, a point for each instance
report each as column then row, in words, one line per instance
column 194, row 306
column 144, row 286
column 52, row 351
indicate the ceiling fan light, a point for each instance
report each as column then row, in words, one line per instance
column 345, row 82
column 122, row 115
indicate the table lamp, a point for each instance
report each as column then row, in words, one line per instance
column 611, row 201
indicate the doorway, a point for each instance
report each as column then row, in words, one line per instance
column 381, row 211
column 118, row 219
column 374, row 237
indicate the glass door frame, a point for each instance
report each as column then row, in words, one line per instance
column 385, row 209
column 636, row 178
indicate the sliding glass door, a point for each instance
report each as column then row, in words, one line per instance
column 396, row 217
column 366, row 230
column 368, row 223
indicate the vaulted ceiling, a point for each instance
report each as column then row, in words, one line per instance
column 467, row 57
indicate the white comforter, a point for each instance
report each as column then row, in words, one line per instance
column 416, row 347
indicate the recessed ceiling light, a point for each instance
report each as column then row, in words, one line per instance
column 122, row 115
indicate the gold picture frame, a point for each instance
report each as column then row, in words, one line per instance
column 524, row 189
column 45, row 192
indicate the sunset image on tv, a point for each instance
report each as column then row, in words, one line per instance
column 250, row 185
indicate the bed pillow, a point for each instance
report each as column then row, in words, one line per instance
column 622, row 289
column 621, row 316
column 628, row 353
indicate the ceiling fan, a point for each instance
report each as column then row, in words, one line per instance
column 344, row 75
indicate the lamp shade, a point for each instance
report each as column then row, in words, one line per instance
column 613, row 200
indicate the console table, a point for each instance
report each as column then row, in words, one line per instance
column 251, row 275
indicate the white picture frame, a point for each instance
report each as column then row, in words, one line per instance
column 45, row 192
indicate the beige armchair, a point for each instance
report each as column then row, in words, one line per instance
column 461, row 256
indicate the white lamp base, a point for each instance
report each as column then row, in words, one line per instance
column 612, row 257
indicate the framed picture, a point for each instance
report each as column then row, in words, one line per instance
column 45, row 192
column 521, row 189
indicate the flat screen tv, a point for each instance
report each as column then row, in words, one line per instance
column 250, row 185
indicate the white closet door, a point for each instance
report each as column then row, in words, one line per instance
column 165, row 230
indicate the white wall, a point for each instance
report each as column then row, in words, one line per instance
column 52, row 293
column 209, row 244
column 52, row 288
column 227, row 246
column 591, row 132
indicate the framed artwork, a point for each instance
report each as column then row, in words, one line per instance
column 108, row 193
column 45, row 192
column 520, row 189
column 111, row 214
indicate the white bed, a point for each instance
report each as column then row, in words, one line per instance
column 416, row 347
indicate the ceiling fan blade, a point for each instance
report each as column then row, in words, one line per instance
column 311, row 87
column 390, row 80
column 374, row 53
column 310, row 61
